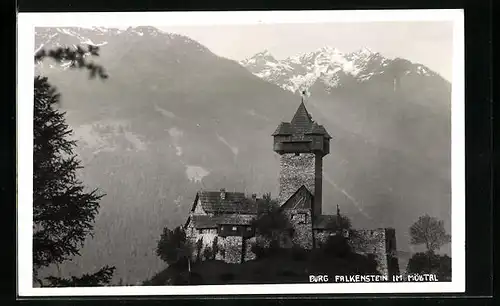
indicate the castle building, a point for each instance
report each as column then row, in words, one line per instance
column 222, row 220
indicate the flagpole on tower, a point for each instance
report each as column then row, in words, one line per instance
column 304, row 94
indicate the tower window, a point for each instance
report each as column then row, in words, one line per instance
column 345, row 233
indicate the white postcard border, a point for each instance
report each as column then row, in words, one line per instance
column 25, row 39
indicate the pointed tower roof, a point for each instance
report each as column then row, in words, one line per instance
column 300, row 125
column 284, row 129
column 301, row 135
column 302, row 120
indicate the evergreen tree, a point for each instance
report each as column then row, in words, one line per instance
column 101, row 278
column 76, row 56
column 271, row 219
column 215, row 247
column 173, row 247
column 63, row 210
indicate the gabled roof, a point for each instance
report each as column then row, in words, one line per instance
column 233, row 202
column 203, row 222
column 294, row 201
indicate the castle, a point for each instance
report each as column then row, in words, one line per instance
column 222, row 221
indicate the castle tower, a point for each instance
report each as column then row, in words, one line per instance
column 302, row 144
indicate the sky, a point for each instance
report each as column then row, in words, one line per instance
column 426, row 42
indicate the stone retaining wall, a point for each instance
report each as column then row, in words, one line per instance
column 233, row 249
column 302, row 232
column 321, row 237
column 379, row 242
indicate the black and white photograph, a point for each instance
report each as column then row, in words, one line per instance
column 202, row 153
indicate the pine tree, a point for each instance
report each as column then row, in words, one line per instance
column 271, row 219
column 174, row 247
column 76, row 57
column 63, row 210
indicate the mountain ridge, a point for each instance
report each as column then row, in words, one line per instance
column 328, row 64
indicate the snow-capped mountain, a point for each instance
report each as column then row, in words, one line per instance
column 137, row 38
column 59, row 37
column 328, row 65
column 96, row 36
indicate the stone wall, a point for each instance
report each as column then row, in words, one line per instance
column 302, row 234
column 296, row 171
column 206, row 237
column 233, row 249
column 321, row 237
column 391, row 249
column 229, row 249
column 376, row 242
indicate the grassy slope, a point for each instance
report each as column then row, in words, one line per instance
column 283, row 266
